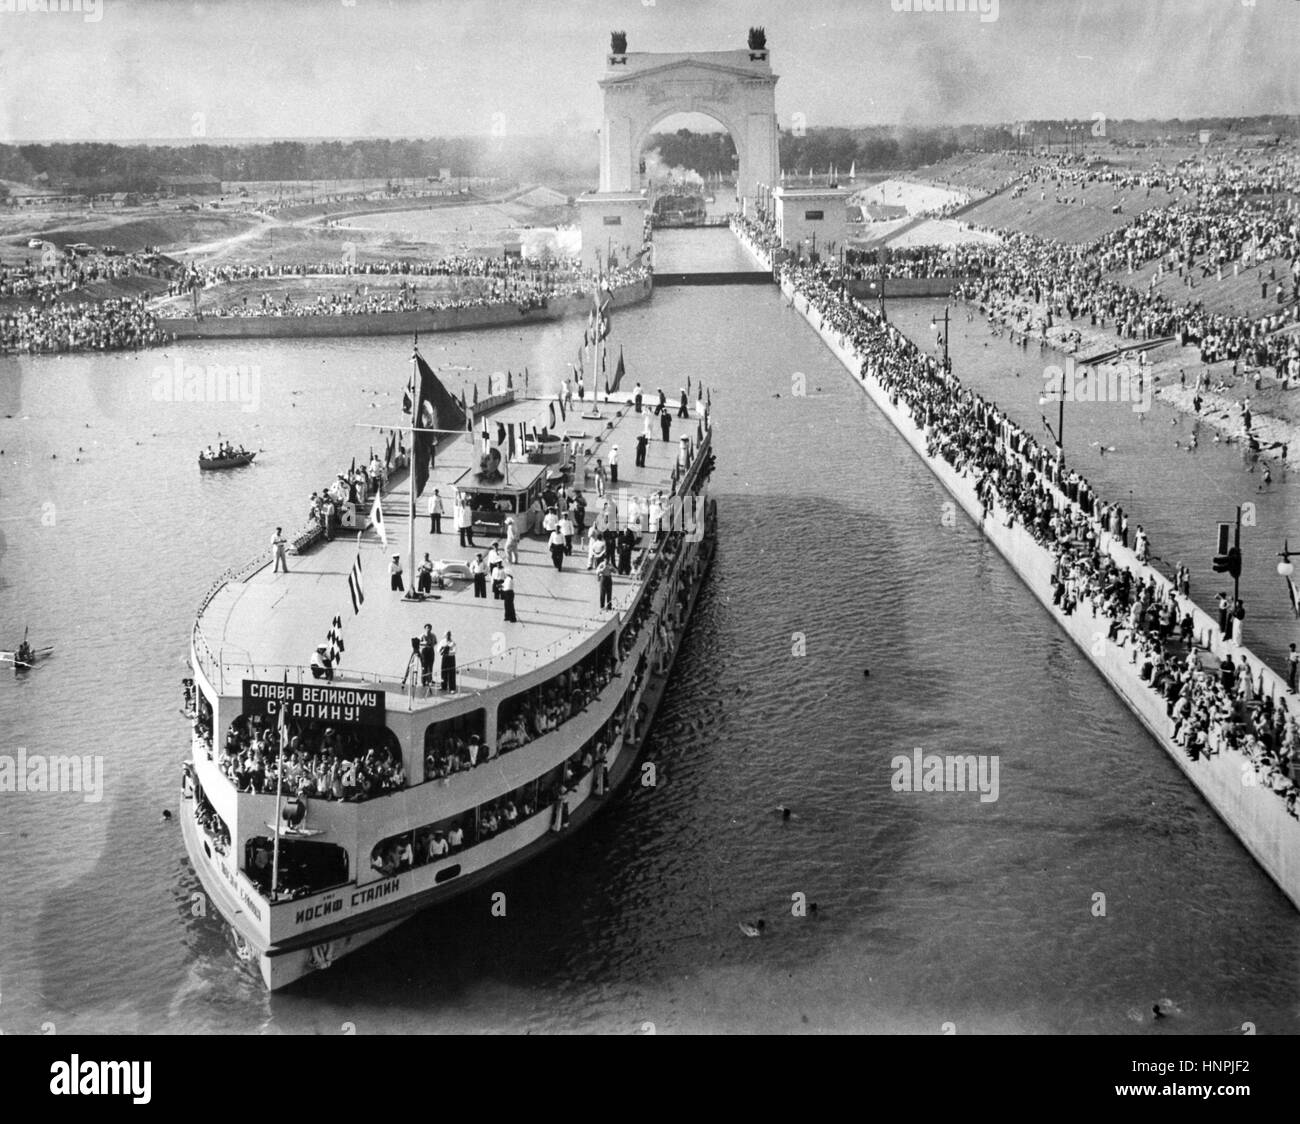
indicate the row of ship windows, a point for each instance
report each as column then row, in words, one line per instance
column 308, row 866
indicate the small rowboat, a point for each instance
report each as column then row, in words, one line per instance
column 238, row 460
column 24, row 664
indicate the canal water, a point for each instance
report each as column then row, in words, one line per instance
column 1096, row 884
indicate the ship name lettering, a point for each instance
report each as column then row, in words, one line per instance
column 250, row 904
column 320, row 909
column 373, row 893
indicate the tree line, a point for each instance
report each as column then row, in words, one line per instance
column 569, row 156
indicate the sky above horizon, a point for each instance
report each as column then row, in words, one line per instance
column 174, row 69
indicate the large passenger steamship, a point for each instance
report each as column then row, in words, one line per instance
column 370, row 789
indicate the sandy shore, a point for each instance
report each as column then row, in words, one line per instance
column 1275, row 411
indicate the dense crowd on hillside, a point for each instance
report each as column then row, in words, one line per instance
column 1035, row 283
column 1022, row 482
column 33, row 281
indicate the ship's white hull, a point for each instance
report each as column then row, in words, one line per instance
column 280, row 964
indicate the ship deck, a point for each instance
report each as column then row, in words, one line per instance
column 267, row 625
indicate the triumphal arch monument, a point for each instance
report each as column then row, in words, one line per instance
column 639, row 89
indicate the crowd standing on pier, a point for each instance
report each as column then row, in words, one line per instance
column 495, row 282
column 108, row 325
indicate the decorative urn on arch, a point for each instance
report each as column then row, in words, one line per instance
column 757, row 44
column 618, row 48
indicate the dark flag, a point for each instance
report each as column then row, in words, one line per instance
column 619, row 372
column 562, row 414
column 434, row 403
column 552, row 415
column 510, row 381
column 475, row 402
column 510, row 443
column 602, row 359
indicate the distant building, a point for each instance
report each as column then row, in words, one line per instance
column 807, row 219
column 189, row 185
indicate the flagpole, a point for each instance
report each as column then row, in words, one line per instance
column 416, row 406
column 279, row 788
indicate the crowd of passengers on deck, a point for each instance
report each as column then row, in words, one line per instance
column 327, row 764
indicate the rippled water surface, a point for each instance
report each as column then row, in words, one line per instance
column 931, row 908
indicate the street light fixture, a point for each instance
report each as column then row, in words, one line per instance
column 1286, row 567
column 1059, row 435
column 934, row 326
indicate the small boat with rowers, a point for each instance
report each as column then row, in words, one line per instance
column 25, row 656
column 224, row 456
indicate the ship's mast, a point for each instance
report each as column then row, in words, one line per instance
column 283, row 734
column 416, row 406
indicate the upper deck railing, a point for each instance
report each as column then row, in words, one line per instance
column 473, row 677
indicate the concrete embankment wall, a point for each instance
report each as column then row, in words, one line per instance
column 1255, row 814
column 393, row 323
column 904, row 287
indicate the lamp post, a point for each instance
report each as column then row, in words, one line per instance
column 934, row 325
column 1059, row 435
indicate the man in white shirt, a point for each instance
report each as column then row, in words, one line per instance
column 278, row 545
column 435, row 513
column 613, row 465
column 478, row 571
